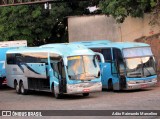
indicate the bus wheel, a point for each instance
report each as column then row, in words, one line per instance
column 22, row 90
column 56, row 95
column 1, row 82
column 85, row 94
column 17, row 87
column 110, row 85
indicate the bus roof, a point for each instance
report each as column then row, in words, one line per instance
column 61, row 49
column 8, row 44
column 69, row 49
column 108, row 44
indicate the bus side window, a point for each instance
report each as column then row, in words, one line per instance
column 11, row 59
column 117, row 55
column 107, row 54
column 19, row 58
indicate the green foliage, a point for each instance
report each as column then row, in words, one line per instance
column 120, row 9
column 38, row 25
column 30, row 22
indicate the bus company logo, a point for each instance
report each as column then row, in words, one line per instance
column 6, row 113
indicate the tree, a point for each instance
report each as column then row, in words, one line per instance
column 156, row 14
column 120, row 9
column 60, row 29
column 30, row 22
column 37, row 25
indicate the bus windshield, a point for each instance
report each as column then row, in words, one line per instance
column 139, row 62
column 83, row 67
column 140, row 67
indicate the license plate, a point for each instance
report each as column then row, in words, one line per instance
column 86, row 90
column 144, row 85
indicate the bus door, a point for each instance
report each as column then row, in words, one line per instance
column 104, row 65
column 118, row 70
column 106, row 68
column 62, row 80
column 58, row 70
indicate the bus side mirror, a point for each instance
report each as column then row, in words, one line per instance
column 101, row 57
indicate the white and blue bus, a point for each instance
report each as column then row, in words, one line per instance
column 4, row 47
column 128, row 65
column 60, row 69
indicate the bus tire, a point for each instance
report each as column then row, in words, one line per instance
column 56, row 95
column 22, row 90
column 85, row 94
column 122, row 82
column 17, row 87
column 110, row 85
column 1, row 80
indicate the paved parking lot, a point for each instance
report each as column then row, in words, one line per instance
column 146, row 99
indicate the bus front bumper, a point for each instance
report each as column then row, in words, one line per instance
column 132, row 86
column 84, row 88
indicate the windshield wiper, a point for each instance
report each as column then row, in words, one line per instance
column 135, row 74
column 143, row 65
column 75, row 75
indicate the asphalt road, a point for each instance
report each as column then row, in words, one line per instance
column 146, row 99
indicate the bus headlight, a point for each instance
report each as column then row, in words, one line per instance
column 154, row 80
column 131, row 82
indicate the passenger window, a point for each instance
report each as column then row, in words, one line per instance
column 34, row 57
column 57, row 66
column 107, row 54
column 19, row 58
column 11, row 59
column 117, row 55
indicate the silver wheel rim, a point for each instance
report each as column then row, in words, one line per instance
column 22, row 89
column 17, row 88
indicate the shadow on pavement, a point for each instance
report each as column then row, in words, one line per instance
column 129, row 91
column 63, row 97
column 5, row 88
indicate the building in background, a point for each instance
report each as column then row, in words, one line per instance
column 100, row 27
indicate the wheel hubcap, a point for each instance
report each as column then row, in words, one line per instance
column 17, row 87
column 22, row 89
